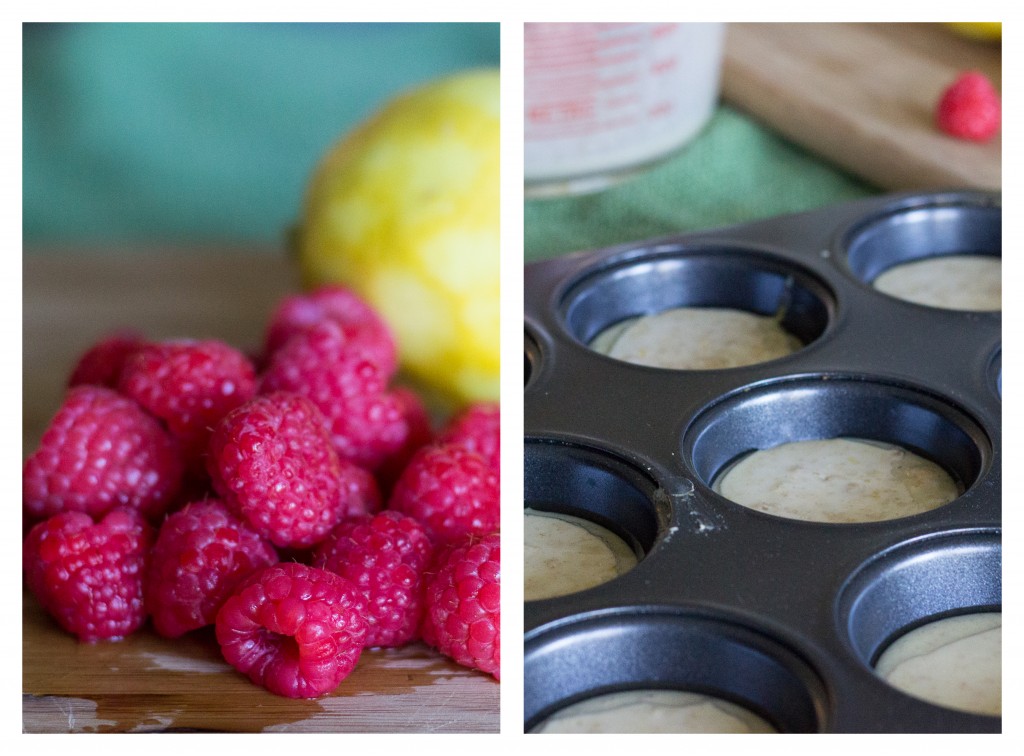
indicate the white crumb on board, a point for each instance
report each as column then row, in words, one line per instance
column 175, row 663
column 64, row 714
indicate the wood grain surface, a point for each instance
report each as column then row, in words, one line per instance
column 146, row 683
column 864, row 96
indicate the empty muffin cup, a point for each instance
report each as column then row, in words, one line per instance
column 589, row 518
column 945, row 255
column 836, row 450
column 926, row 618
column 697, row 309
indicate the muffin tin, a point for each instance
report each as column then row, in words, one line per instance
column 782, row 616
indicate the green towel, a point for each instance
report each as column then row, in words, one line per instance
column 205, row 132
column 734, row 171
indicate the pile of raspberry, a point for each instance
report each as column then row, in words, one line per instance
column 300, row 501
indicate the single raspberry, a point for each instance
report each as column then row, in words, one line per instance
column 385, row 557
column 478, row 427
column 101, row 364
column 101, row 450
column 190, row 385
column 88, row 575
column 201, row 554
column 969, row 108
column 463, row 617
column 296, row 630
column 452, row 490
column 420, row 433
column 364, row 329
column 272, row 462
column 360, row 494
column 367, row 424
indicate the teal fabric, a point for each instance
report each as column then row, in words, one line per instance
column 734, row 171
column 205, row 132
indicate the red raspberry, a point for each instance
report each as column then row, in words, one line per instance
column 190, row 385
column 420, row 434
column 384, row 556
column 360, row 493
column 272, row 462
column 367, row 425
column 101, row 364
column 452, row 490
column 360, row 323
column 296, row 630
column 479, row 428
column 970, row 108
column 201, row 554
column 88, row 575
column 101, row 450
column 463, row 619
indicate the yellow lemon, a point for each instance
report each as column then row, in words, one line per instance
column 405, row 210
column 990, row 30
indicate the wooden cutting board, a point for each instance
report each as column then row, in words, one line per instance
column 864, row 97
column 147, row 683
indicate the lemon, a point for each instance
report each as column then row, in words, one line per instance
column 992, row 30
column 405, row 210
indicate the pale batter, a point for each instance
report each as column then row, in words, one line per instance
column 697, row 338
column 953, row 282
column 954, row 662
column 654, row 711
column 839, row 480
column 565, row 554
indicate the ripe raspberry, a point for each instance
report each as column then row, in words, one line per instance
column 190, row 385
column 420, row 433
column 451, row 490
column 366, row 424
column 360, row 494
column 88, row 575
column 970, row 108
column 201, row 554
column 101, row 450
column 272, row 462
column 384, row 556
column 360, row 323
column 463, row 618
column 479, row 428
column 296, row 630
column 101, row 364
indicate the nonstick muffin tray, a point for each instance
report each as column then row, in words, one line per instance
column 784, row 617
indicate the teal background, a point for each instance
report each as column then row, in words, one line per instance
column 205, row 132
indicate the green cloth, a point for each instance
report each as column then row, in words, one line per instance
column 205, row 132
column 734, row 171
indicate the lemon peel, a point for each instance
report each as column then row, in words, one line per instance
column 405, row 210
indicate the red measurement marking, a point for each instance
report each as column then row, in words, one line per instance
column 664, row 66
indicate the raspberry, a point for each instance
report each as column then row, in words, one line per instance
column 451, row 489
column 970, row 108
column 359, row 322
column 201, row 554
column 420, row 433
column 101, row 450
column 384, row 556
column 479, row 428
column 101, row 364
column 272, row 462
column 360, row 494
column 88, row 575
column 296, row 630
column 190, row 385
column 367, row 425
column 463, row 618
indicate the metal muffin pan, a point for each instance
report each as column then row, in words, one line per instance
column 785, row 617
